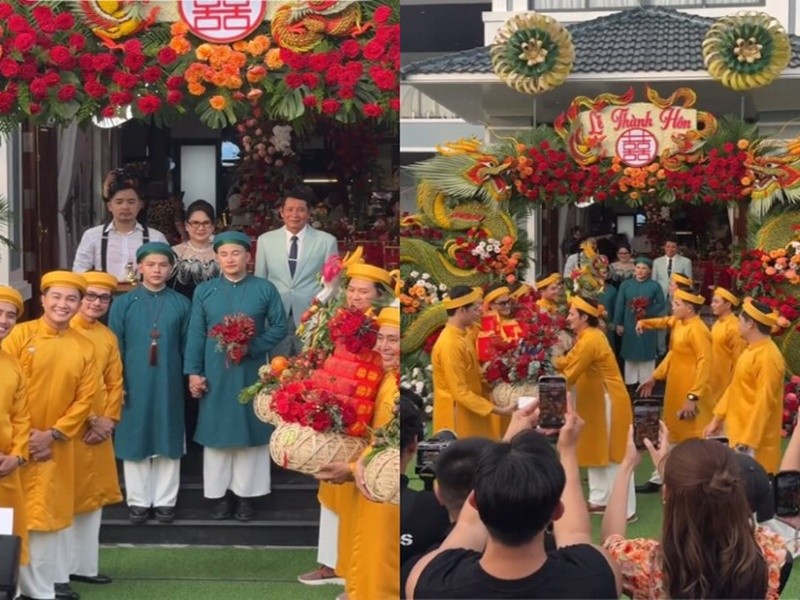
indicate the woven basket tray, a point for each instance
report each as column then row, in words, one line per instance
column 262, row 408
column 507, row 394
column 302, row 449
column 382, row 476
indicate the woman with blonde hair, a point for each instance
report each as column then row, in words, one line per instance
column 709, row 546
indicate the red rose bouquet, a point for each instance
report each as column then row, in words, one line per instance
column 639, row 306
column 354, row 330
column 233, row 336
column 790, row 405
column 325, row 412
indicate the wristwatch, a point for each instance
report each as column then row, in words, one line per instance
column 20, row 461
column 692, row 398
column 741, row 448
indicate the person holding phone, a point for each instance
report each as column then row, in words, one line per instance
column 601, row 399
column 752, row 405
column 687, row 371
column 709, row 547
column 727, row 343
column 460, row 402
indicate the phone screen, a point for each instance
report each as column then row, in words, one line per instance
column 787, row 493
column 645, row 424
column 552, row 402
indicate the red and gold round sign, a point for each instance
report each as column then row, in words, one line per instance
column 637, row 147
column 222, row 21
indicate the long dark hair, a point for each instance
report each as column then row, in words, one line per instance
column 708, row 543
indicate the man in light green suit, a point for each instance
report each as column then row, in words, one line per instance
column 291, row 258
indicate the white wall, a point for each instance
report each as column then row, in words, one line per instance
column 11, row 272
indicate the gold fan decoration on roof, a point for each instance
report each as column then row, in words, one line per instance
column 746, row 51
column 532, row 53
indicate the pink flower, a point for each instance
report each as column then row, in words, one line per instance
column 331, row 269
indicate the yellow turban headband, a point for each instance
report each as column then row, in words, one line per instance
column 769, row 319
column 12, row 296
column 474, row 296
column 721, row 292
column 549, row 280
column 520, row 291
column 495, row 294
column 583, row 306
column 389, row 317
column 690, row 297
column 65, row 279
column 681, row 279
column 101, row 279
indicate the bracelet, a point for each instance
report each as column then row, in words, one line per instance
column 692, row 398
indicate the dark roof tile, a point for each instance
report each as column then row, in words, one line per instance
column 651, row 39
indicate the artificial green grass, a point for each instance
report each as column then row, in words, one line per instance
column 206, row 573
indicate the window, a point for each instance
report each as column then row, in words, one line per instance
column 556, row 5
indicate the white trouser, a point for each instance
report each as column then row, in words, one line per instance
column 85, row 540
column 327, row 548
column 638, row 371
column 38, row 579
column 245, row 471
column 601, row 479
column 63, row 554
column 152, row 481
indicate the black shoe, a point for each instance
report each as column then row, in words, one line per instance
column 165, row 514
column 648, row 488
column 245, row 510
column 65, row 592
column 98, row 579
column 222, row 510
column 138, row 514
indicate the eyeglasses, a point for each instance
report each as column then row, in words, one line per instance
column 200, row 223
column 104, row 298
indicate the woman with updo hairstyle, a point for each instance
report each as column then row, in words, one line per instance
column 111, row 247
column 710, row 547
column 197, row 261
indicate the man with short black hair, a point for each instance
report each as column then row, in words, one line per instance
column 291, row 258
column 496, row 549
column 455, row 473
column 459, row 402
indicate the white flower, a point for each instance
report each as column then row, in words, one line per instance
column 442, row 287
column 413, row 274
column 419, row 387
column 426, row 276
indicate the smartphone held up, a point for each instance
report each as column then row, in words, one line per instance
column 552, row 402
column 646, row 417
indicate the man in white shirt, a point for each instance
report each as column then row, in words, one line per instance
column 663, row 269
column 111, row 247
column 291, row 258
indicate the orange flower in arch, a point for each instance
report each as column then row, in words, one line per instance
column 240, row 46
column 180, row 45
column 179, row 28
column 218, row 102
column 256, row 73
column 197, row 89
column 204, row 51
column 273, row 59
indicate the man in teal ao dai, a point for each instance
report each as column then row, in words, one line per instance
column 235, row 455
column 151, row 323
column 638, row 351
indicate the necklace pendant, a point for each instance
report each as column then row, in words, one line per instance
column 153, row 354
column 154, row 334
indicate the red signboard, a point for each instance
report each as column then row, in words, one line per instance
column 222, row 21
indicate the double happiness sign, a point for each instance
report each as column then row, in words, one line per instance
column 222, row 21
column 637, row 132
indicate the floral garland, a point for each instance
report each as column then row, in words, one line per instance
column 476, row 250
column 419, row 292
column 54, row 69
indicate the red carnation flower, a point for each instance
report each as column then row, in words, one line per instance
column 167, row 56
column 373, row 110
column 108, row 111
column 7, row 102
column 94, row 89
column 24, row 42
column 51, row 78
column 86, row 62
column 104, row 62
column 310, row 101
column 124, row 80
column 42, row 13
column 174, row 83
column 6, row 10
column 9, row 67
column 149, row 104
column 394, row 104
column 151, row 74
column 174, row 97
column 330, row 106
column 35, row 108
column 346, row 93
column 121, row 98
column 318, row 62
column 374, row 50
column 60, row 55
column 382, row 14
column 39, row 88
column 27, row 71
column 17, row 23
column 134, row 62
column 311, row 80
column 132, row 47
column 64, row 21
column 66, row 93
column 294, row 81
column 351, row 48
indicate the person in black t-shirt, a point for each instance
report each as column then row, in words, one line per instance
column 423, row 520
column 496, row 549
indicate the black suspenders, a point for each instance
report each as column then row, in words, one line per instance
column 104, row 245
